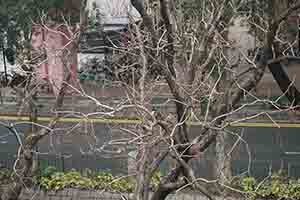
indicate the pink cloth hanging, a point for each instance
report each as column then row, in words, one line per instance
column 55, row 42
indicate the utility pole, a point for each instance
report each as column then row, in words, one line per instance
column 298, row 35
column 4, row 62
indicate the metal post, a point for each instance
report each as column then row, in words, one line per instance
column 62, row 162
column 298, row 35
column 4, row 63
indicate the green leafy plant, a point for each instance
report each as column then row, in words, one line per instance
column 49, row 171
column 92, row 23
column 4, row 175
column 156, row 178
column 51, row 179
column 248, row 183
column 278, row 186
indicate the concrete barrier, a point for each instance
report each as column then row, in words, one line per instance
column 75, row 194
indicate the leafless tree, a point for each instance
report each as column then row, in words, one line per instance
column 187, row 52
column 24, row 166
column 184, row 53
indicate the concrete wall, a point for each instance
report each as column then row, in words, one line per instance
column 73, row 194
column 112, row 8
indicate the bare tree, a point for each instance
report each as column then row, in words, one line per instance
column 25, row 167
column 179, row 48
column 186, row 50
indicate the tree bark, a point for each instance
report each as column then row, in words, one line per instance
column 206, row 138
column 22, row 176
column 24, row 165
column 223, row 164
column 143, row 175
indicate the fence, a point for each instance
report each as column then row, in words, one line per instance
column 276, row 149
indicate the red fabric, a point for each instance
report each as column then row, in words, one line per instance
column 53, row 40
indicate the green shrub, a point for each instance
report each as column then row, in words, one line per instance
column 51, row 179
column 4, row 175
column 278, row 186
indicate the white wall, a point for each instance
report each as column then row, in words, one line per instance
column 241, row 40
column 113, row 8
column 112, row 12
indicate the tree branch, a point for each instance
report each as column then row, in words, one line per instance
column 166, row 15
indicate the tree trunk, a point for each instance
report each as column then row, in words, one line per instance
column 22, row 175
column 143, row 178
column 223, row 165
column 142, row 186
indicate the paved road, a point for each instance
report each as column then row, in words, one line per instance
column 271, row 148
column 66, row 148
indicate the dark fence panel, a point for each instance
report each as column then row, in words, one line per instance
column 272, row 149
